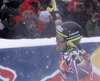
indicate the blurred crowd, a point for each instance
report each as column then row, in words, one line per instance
column 39, row 18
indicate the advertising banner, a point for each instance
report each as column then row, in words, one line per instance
column 34, row 59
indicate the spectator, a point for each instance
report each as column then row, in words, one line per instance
column 34, row 3
column 62, row 6
column 8, row 9
column 47, row 18
column 80, row 14
column 93, row 26
column 71, row 4
column 29, row 26
column 44, row 15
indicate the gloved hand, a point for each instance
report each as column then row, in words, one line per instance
column 58, row 22
column 74, row 53
column 77, row 58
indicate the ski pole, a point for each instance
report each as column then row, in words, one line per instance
column 76, row 71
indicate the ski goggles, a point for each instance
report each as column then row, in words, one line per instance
column 60, row 38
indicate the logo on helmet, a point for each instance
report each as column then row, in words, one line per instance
column 74, row 33
column 59, row 28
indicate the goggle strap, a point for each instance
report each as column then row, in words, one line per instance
column 61, row 34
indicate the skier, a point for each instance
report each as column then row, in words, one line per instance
column 74, row 62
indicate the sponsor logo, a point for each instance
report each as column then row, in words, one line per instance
column 7, row 74
column 74, row 33
column 74, row 36
column 59, row 28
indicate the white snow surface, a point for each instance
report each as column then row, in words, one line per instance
column 14, row 43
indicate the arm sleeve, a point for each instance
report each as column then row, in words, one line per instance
column 91, row 28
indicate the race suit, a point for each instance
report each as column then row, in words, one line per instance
column 74, row 64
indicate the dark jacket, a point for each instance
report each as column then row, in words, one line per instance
column 91, row 28
column 21, row 31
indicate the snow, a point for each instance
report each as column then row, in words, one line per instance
column 52, row 75
column 9, row 43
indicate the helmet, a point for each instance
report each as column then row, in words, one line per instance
column 69, row 31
